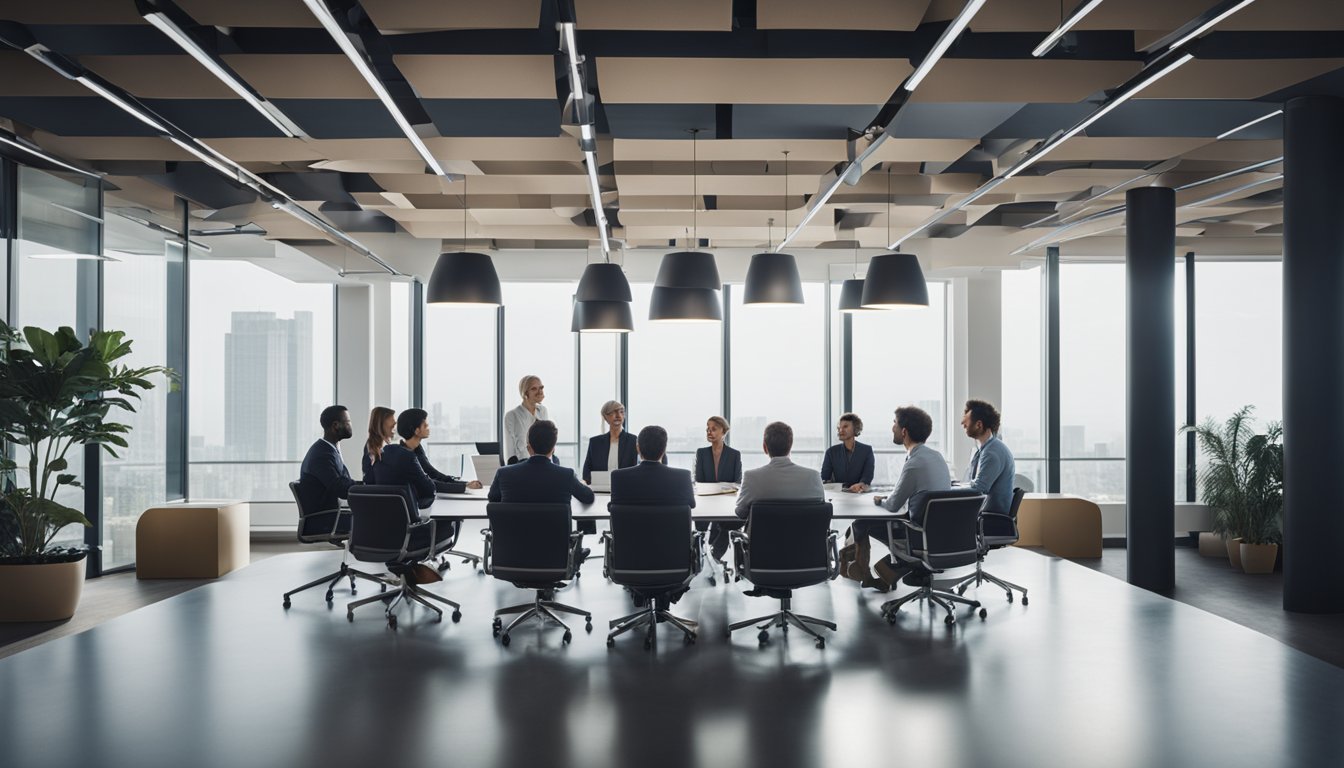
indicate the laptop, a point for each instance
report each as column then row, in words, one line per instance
column 600, row 482
column 485, row 466
column 488, row 449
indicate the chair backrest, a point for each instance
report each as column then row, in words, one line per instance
column 1018, row 493
column 788, row 543
column 529, row 542
column 951, row 528
column 316, row 525
column 381, row 515
column 1022, row 481
column 650, row 545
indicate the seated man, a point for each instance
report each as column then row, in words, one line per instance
column 538, row 480
column 924, row 470
column 780, row 479
column 323, row 477
column 992, row 469
column 651, row 481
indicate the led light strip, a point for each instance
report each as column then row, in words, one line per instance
column 1064, row 27
column 1210, row 24
column 1246, row 125
column 323, row 14
column 578, row 95
column 14, row 142
column 820, row 200
column 945, row 41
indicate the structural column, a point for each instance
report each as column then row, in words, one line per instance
column 1313, row 353
column 1150, row 483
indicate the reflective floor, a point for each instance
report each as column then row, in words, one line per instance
column 1092, row 673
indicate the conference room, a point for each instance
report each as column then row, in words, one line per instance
column 318, row 244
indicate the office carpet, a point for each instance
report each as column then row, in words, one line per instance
column 1093, row 672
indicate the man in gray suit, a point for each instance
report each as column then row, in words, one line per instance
column 781, row 478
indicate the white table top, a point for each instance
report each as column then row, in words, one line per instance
column 845, row 506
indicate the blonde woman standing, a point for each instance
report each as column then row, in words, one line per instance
column 520, row 419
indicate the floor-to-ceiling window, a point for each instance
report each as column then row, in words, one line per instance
column 1022, row 384
column 1092, row 381
column 460, row 383
column 261, row 362
column 538, row 341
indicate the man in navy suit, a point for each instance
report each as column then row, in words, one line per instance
column 323, row 478
column 540, row 481
column 651, row 481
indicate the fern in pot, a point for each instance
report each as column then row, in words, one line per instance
column 1243, row 486
column 56, row 394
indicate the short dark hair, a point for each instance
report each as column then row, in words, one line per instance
column 778, row 439
column 542, row 435
column 652, row 442
column 330, row 415
column 409, row 420
column 853, row 418
column 985, row 413
column 916, row 421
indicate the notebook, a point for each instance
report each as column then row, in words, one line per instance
column 600, row 482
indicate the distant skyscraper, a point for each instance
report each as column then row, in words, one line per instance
column 268, row 386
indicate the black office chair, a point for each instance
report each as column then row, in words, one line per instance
column 327, row 526
column 786, row 546
column 384, row 529
column 653, row 552
column 996, row 530
column 946, row 537
column 530, row 546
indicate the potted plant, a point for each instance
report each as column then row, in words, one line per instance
column 1243, row 486
column 56, row 393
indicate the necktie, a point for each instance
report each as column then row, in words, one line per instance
column 975, row 462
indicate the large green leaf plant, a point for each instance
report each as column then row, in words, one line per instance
column 1243, row 483
column 56, row 393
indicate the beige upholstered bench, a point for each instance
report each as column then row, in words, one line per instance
column 1065, row 525
column 192, row 540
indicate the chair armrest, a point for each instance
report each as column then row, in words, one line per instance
column 574, row 539
column 486, row 559
column 608, row 543
column 697, row 551
column 981, row 523
column 336, row 516
column 744, row 540
column 832, row 555
column 410, row 531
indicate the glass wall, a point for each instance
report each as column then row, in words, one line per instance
column 1092, row 380
column 261, row 361
column 400, row 343
column 778, row 373
column 599, row 381
column 1023, row 385
column 460, row 383
column 899, row 358
column 676, row 380
column 537, row 341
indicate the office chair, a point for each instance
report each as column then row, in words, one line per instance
column 946, row 537
column 530, row 546
column 445, row 548
column 786, row 546
column 384, row 529
column 996, row 530
column 653, row 552
column 328, row 526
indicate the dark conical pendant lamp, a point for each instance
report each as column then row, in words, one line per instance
column 894, row 280
column 602, row 302
column 851, row 291
column 772, row 277
column 464, row 277
column 688, row 284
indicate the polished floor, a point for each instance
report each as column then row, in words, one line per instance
column 1092, row 673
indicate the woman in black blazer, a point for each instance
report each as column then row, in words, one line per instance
column 849, row 462
column 600, row 447
column 716, row 462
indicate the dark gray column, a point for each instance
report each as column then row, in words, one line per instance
column 1313, row 353
column 1053, row 464
column 1150, row 483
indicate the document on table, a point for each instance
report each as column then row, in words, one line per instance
column 470, row 493
column 714, row 489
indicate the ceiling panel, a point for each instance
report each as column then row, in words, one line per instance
column 853, row 14
column 749, row 81
column 683, row 15
column 247, row 13
column 1039, row 80
column 301, row 76
column 480, row 77
column 420, row 15
column 1237, row 78
column 160, row 77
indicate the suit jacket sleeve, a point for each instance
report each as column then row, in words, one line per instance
column 588, row 461
column 580, row 491
column 515, row 438
column 495, row 488
column 991, row 466
column 736, row 467
column 905, row 488
column 434, row 474
column 703, row 472
column 826, row 469
column 366, row 464
column 334, row 475
column 744, row 500
column 869, row 466
column 420, row 482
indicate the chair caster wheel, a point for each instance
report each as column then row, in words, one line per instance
column 391, row 622
column 457, row 616
column 1010, row 597
column 712, row 583
column 588, row 624
column 565, row 638
column 438, row 618
column 505, row 641
column 983, row 613
column 611, row 642
column 820, row 643
column 950, row 620
column 689, row 640
column 330, row 596
column 350, row 616
column 353, row 591
column 495, row 627
column 285, row 603
column 384, row 589
column 763, row 637
column 784, row 629
column 728, row 635
column 891, row 618
column 1024, row 599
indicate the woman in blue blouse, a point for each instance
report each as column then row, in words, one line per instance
column 849, row 462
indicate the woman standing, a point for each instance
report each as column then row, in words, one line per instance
column 613, row 449
column 518, row 420
column 382, row 426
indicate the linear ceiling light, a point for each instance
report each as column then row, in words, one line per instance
column 1064, row 27
column 126, row 106
column 578, row 94
column 1246, row 125
column 13, row 141
column 205, row 158
column 1234, row 191
column 945, row 41
column 323, row 14
column 819, row 200
column 1230, row 7
column 184, row 41
column 1247, row 169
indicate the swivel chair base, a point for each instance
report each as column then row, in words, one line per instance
column 409, row 591
column 650, row 617
column 981, row 576
column 332, row 579
column 467, row 557
column 783, row 618
column 927, row 589
column 544, row 607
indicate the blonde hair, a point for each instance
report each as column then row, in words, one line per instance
column 722, row 422
column 377, row 438
column 526, row 382
column 611, row 405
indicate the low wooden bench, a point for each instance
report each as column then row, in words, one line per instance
column 1064, row 524
column 192, row 540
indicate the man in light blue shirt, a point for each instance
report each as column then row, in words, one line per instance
column 992, row 469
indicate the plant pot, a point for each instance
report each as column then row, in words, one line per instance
column 1258, row 558
column 45, row 592
column 1234, row 552
column 1212, row 545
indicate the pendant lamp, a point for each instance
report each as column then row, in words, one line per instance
column 851, row 291
column 603, row 281
column 688, row 284
column 772, row 278
column 464, row 277
column 602, row 317
column 894, row 280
